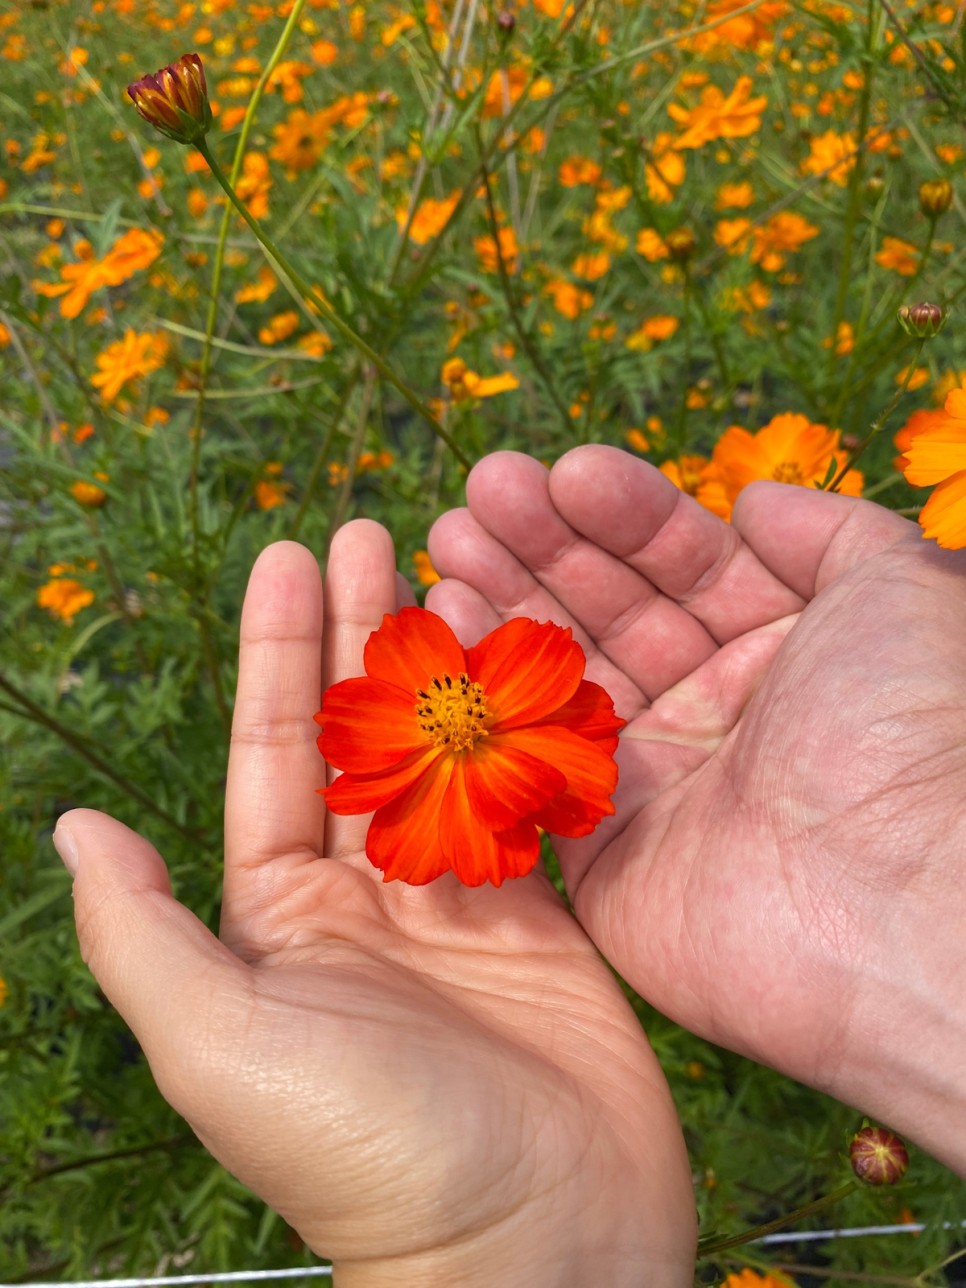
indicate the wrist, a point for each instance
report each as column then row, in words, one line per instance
column 622, row 1236
column 908, row 1070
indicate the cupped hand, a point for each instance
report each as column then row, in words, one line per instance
column 785, row 870
column 433, row 1085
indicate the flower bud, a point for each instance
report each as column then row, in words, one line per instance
column 681, row 244
column 878, row 1156
column 922, row 320
column 175, row 100
column 935, row 197
column 506, row 23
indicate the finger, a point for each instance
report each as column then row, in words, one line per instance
column 495, row 587
column 514, row 546
column 629, row 509
column 273, row 817
column 360, row 588
column 809, row 538
column 157, row 963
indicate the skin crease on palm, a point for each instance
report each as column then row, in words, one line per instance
column 784, row 872
column 433, row 1085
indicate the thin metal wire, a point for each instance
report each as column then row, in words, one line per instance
column 161, row 1281
column 325, row 1272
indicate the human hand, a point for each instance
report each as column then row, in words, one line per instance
column 784, row 873
column 433, row 1085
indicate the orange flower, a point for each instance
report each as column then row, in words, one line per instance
column 568, row 299
column 936, row 455
column 490, row 251
column 464, row 384
column 777, row 236
column 463, row 754
column 136, row 355
column 832, row 156
column 752, row 1279
column 901, row 256
column 789, row 449
column 426, row 574
column 430, row 219
column 64, row 597
column 718, row 117
column 659, row 327
column 686, row 472
column 134, row 250
column 300, row 140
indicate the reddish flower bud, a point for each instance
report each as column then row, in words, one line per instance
column 175, row 100
column 878, row 1156
column 922, row 320
column 506, row 22
column 935, row 197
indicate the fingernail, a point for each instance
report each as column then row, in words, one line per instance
column 66, row 847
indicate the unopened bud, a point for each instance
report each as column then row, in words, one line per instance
column 681, row 244
column 175, row 100
column 935, row 197
column 506, row 22
column 922, row 320
column 878, row 1156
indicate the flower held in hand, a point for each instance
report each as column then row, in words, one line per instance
column 464, row 753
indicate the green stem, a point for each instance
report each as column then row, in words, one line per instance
column 318, row 301
column 27, row 708
column 717, row 1243
column 878, row 423
column 855, row 189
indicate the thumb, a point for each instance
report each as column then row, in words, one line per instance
column 164, row 971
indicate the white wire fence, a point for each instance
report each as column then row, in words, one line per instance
column 243, row 1277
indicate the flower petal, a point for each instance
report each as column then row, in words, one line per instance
column 368, row 725
column 944, row 514
column 591, row 779
column 403, row 841
column 589, row 713
column 410, row 648
column 936, row 453
column 504, row 784
column 360, row 793
column 527, row 669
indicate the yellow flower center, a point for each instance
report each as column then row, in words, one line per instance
column 787, row 472
column 453, row 712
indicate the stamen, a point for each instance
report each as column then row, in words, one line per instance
column 454, row 713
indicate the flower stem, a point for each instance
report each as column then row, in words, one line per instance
column 718, row 1243
column 318, row 301
column 878, row 423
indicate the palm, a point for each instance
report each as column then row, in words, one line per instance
column 433, row 1085
column 751, row 766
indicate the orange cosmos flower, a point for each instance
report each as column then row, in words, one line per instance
column 464, row 753
column 128, row 359
column 899, row 255
column 64, row 597
column 936, row 455
column 789, row 449
column 718, row 117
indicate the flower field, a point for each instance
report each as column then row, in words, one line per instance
column 685, row 230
